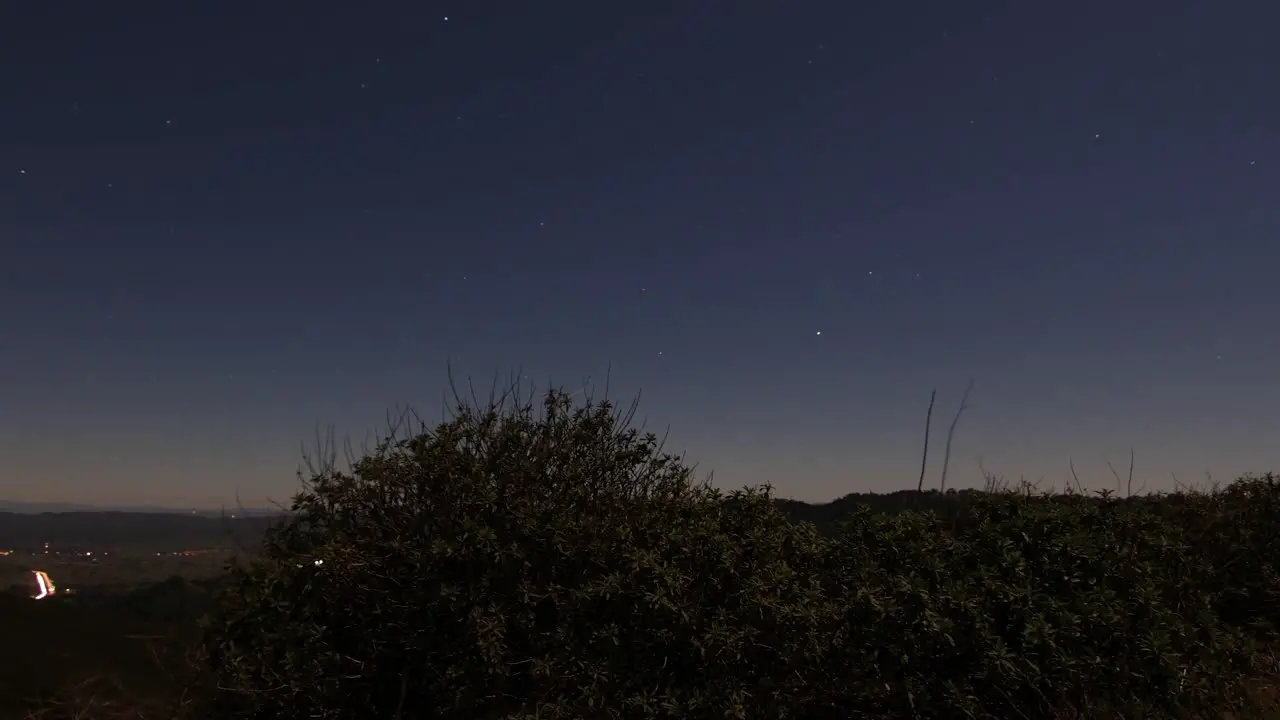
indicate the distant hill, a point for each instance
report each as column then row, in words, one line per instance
column 140, row 531
column 157, row 529
column 828, row 515
column 13, row 506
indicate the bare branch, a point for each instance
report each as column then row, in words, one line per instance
column 1076, row 478
column 990, row 483
column 946, row 455
column 608, row 378
column 924, row 459
column 1114, row 474
column 1128, row 488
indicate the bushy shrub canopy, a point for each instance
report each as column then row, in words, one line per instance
column 529, row 561
column 516, row 563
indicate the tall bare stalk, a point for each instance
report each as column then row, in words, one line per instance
column 946, row 455
column 924, row 459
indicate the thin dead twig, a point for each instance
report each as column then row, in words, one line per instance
column 924, row 459
column 946, row 455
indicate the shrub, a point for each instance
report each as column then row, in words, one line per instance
column 511, row 563
column 1239, row 532
column 1028, row 607
column 550, row 561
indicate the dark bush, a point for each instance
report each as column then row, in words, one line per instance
column 1238, row 529
column 511, row 563
column 523, row 561
column 1028, row 608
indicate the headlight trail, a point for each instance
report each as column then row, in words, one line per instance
column 45, row 584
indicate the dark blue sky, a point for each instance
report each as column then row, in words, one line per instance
column 224, row 225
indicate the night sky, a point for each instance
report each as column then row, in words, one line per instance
column 224, row 226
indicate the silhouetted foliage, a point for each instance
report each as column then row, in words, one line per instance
column 545, row 560
column 520, row 561
column 1024, row 607
column 509, row 564
column 82, row 658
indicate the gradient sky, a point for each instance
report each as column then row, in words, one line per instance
column 226, row 225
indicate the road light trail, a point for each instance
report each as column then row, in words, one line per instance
column 45, row 584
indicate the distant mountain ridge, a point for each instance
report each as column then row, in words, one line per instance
column 34, row 508
column 131, row 531
column 167, row 529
